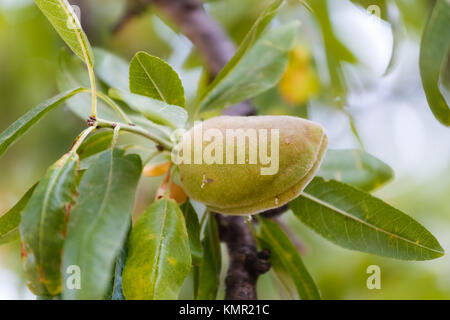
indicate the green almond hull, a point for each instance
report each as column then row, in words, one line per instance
column 241, row 188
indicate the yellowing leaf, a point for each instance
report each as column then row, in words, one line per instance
column 300, row 81
column 159, row 258
column 43, row 226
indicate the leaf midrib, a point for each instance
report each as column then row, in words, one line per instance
column 87, row 235
column 151, row 79
column 77, row 34
column 369, row 225
column 155, row 270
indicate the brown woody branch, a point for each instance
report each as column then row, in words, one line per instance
column 133, row 9
column 246, row 263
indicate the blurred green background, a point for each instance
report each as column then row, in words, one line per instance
column 337, row 76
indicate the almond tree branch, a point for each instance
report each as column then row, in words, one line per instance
column 133, row 8
column 246, row 263
column 205, row 34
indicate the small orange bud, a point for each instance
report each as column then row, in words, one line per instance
column 156, row 170
column 175, row 192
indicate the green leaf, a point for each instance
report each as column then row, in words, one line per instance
column 43, row 226
column 252, row 36
column 9, row 222
column 95, row 144
column 117, row 291
column 99, row 222
column 64, row 20
column 356, row 220
column 355, row 167
column 258, row 70
column 111, row 69
column 337, row 54
column 61, row 16
column 152, row 77
column 92, row 147
column 159, row 259
column 28, row 120
column 208, row 273
column 193, row 228
column 285, row 259
column 434, row 51
column 154, row 110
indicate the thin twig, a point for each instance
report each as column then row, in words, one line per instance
column 100, row 123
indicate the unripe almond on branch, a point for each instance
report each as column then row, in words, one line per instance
column 246, row 165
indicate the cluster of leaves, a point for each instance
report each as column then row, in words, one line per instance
column 79, row 213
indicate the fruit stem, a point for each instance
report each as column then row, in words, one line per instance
column 100, row 123
column 81, row 137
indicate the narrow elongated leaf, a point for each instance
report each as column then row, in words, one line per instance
column 28, row 120
column 337, row 54
column 63, row 18
column 285, row 259
column 208, row 273
column 193, row 228
column 398, row 33
column 355, row 167
column 152, row 109
column 152, row 77
column 159, row 259
column 117, row 291
column 43, row 226
column 356, row 220
column 66, row 23
column 257, row 71
column 9, row 222
column 252, row 36
column 112, row 69
column 99, row 222
column 434, row 51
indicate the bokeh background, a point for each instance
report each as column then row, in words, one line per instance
column 357, row 75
